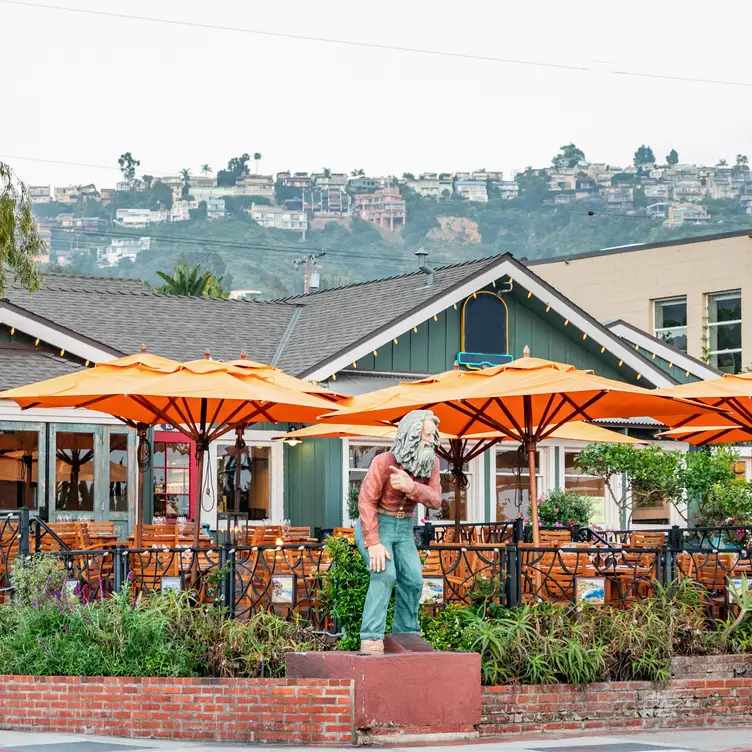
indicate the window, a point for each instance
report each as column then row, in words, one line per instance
column 513, row 483
column 118, row 472
column 585, row 485
column 254, row 486
column 725, row 330
column 172, row 478
column 74, row 472
column 361, row 456
column 670, row 319
column 19, row 469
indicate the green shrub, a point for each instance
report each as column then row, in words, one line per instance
column 562, row 508
column 35, row 579
column 345, row 586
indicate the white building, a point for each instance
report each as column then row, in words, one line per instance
column 40, row 194
column 121, row 248
column 215, row 208
column 67, row 194
column 244, row 294
column 280, row 219
column 472, row 190
column 180, row 211
column 509, row 189
column 140, row 217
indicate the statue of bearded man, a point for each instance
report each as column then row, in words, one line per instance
column 396, row 482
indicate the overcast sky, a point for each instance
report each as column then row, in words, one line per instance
column 83, row 88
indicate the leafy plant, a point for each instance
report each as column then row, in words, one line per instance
column 36, row 579
column 560, row 507
column 345, row 586
column 353, row 492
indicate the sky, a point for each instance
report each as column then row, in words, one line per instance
column 81, row 88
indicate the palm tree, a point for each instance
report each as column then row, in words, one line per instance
column 20, row 244
column 185, row 174
column 206, row 170
column 257, row 157
column 193, row 282
column 327, row 172
column 722, row 163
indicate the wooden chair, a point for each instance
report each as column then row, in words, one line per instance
column 555, row 538
column 298, row 535
column 647, row 539
column 67, row 532
column 344, row 532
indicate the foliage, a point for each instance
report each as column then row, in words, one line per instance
column 34, row 579
column 345, row 586
column 707, row 467
column 544, row 643
column 560, row 507
column 52, row 633
column 191, row 281
column 161, row 195
column 672, row 158
column 569, row 156
column 128, row 165
column 199, row 213
column 20, row 244
column 353, row 492
column 235, row 168
column 643, row 156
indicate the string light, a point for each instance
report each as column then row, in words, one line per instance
column 415, row 330
column 396, row 341
column 566, row 322
column 86, row 365
column 637, row 347
column 36, row 341
column 652, row 357
column 12, row 330
column 639, row 376
column 584, row 336
column 670, row 365
column 355, row 364
column 375, row 353
column 603, row 349
column 548, row 308
column 62, row 352
column 621, row 362
column 529, row 295
column 455, row 305
column 334, row 377
column 686, row 373
column 435, row 317
column 475, row 295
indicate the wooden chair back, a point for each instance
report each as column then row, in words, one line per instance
column 647, row 539
column 101, row 528
column 159, row 535
column 297, row 535
column 344, row 532
column 555, row 538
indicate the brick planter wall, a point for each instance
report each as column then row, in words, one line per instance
column 617, row 705
column 289, row 711
column 711, row 667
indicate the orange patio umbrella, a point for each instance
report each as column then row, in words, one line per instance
column 526, row 400
column 705, row 435
column 202, row 399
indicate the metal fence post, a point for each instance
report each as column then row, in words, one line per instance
column 23, row 531
column 574, row 532
column 513, row 576
column 427, row 533
column 518, row 530
column 676, row 539
column 118, row 568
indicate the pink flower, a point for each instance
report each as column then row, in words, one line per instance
column 557, row 524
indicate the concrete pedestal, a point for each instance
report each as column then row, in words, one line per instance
column 412, row 693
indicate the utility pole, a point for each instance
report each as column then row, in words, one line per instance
column 308, row 262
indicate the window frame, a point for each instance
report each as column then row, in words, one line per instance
column 657, row 330
column 540, row 475
column 715, row 324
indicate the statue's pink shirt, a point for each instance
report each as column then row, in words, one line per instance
column 376, row 491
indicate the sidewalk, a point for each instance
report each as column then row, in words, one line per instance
column 691, row 740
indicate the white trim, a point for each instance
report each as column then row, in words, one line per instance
column 53, row 336
column 529, row 281
column 671, row 355
column 10, row 410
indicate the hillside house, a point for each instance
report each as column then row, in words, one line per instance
column 384, row 207
column 472, row 190
column 256, row 185
column 215, row 208
column 686, row 214
column 277, row 218
column 40, row 194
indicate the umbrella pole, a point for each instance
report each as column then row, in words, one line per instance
column 533, row 492
column 143, row 457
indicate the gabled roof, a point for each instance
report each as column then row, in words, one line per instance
column 17, row 364
column 100, row 317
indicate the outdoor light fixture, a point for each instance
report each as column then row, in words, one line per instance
column 12, row 330
column 279, row 542
column 36, row 341
column 530, row 295
column 293, row 441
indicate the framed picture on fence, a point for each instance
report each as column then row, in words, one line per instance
column 591, row 590
column 172, row 583
column 433, row 590
column 283, row 589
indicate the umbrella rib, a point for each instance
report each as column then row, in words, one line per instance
column 512, row 420
column 189, row 417
column 480, row 447
column 489, row 422
column 467, row 426
column 544, row 414
column 734, row 402
column 546, row 420
column 715, row 436
column 578, row 410
column 143, row 402
column 216, row 412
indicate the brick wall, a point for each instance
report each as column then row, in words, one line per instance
column 290, row 711
column 617, row 705
column 711, row 667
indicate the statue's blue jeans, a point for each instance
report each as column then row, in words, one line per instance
column 404, row 569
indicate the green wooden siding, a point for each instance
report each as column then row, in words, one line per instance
column 313, row 483
column 682, row 376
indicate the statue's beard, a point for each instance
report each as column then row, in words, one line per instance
column 418, row 459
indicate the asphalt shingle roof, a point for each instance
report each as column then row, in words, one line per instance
column 124, row 314
column 22, row 366
column 336, row 319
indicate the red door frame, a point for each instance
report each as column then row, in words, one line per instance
column 175, row 437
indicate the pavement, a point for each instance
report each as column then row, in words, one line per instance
column 691, row 740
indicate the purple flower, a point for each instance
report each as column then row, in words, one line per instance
column 41, row 643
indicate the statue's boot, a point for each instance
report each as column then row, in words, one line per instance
column 372, row 647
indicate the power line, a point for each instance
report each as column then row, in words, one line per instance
column 369, row 45
column 70, row 164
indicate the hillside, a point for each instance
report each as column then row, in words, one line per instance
column 252, row 257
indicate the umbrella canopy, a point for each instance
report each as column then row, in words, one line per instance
column 525, row 400
column 733, row 393
column 202, row 399
column 575, row 431
column 705, row 435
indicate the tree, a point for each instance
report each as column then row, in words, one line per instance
column 408, row 176
column 533, row 186
column 185, row 174
column 206, row 170
column 569, row 156
column 643, row 156
column 327, row 172
column 257, row 159
column 191, row 281
column 672, row 158
column 358, row 173
column 742, row 164
column 128, row 167
column 147, row 180
column 235, row 168
column 161, row 195
column 722, row 163
column 199, row 213
column 20, row 244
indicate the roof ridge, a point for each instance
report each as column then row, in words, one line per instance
column 391, row 278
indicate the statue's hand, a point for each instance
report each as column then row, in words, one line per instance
column 400, row 480
column 377, row 556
